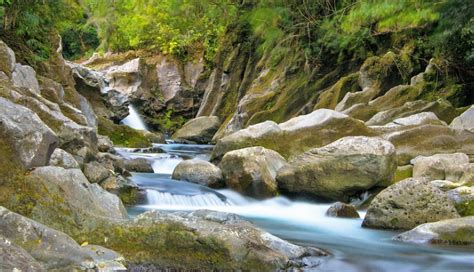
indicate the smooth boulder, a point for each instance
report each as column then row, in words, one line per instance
column 464, row 121
column 200, row 172
column 252, row 171
column 458, row 231
column 440, row 166
column 199, row 130
column 407, row 204
column 32, row 140
column 341, row 169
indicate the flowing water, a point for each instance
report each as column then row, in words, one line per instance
column 133, row 119
column 353, row 248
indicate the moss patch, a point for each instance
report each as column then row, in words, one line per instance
column 122, row 135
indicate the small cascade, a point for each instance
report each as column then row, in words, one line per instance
column 165, row 164
column 134, row 120
column 156, row 198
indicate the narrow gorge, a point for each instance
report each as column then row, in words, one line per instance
column 236, row 135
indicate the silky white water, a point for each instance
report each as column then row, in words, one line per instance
column 353, row 248
column 133, row 119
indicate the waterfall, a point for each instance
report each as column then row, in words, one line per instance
column 156, row 198
column 134, row 120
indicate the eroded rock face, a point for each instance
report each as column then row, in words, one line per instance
column 343, row 168
column 32, row 140
column 440, row 166
column 295, row 136
column 63, row 159
column 200, row 172
column 51, row 248
column 252, row 171
column 407, row 204
column 199, row 130
column 452, row 231
column 340, row 209
column 465, row 121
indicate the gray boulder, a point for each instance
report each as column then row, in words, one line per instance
column 252, row 171
column 96, row 172
column 440, row 166
column 464, row 121
column 25, row 76
column 104, row 144
column 407, row 204
column 418, row 119
column 14, row 258
column 200, row 172
column 199, row 130
column 54, row 249
column 458, row 231
column 340, row 209
column 341, row 169
column 31, row 139
column 295, row 136
column 141, row 165
column 63, row 159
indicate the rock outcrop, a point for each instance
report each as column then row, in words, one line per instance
column 200, row 172
column 341, row 169
column 252, row 171
column 407, row 204
column 459, row 231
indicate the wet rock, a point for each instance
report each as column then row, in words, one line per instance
column 199, row 130
column 340, row 209
column 463, row 198
column 295, row 136
column 95, row 172
column 63, row 159
column 31, row 139
column 14, row 258
column 341, row 169
column 54, row 249
column 464, row 121
column 409, row 203
column 459, row 231
column 200, row 172
column 138, row 165
column 252, row 171
column 25, row 76
column 440, row 166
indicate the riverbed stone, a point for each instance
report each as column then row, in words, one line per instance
column 200, row 172
column 341, row 169
column 465, row 120
column 63, row 159
column 140, row 165
column 252, row 171
column 199, row 130
column 409, row 203
column 458, row 231
column 340, row 209
column 52, row 248
column 440, row 166
column 295, row 136
column 28, row 136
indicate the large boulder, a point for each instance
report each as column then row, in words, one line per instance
column 200, row 172
column 295, row 136
column 458, row 231
column 465, row 120
column 407, row 204
column 32, row 140
column 141, row 165
column 15, row 258
column 252, row 171
column 199, row 130
column 25, row 76
column 63, row 159
column 341, row 169
column 440, row 166
column 52, row 248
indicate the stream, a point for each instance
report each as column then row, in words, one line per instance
column 353, row 248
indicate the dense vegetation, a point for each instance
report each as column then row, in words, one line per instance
column 324, row 31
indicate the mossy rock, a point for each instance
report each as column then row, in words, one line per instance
column 122, row 135
column 331, row 97
column 403, row 172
